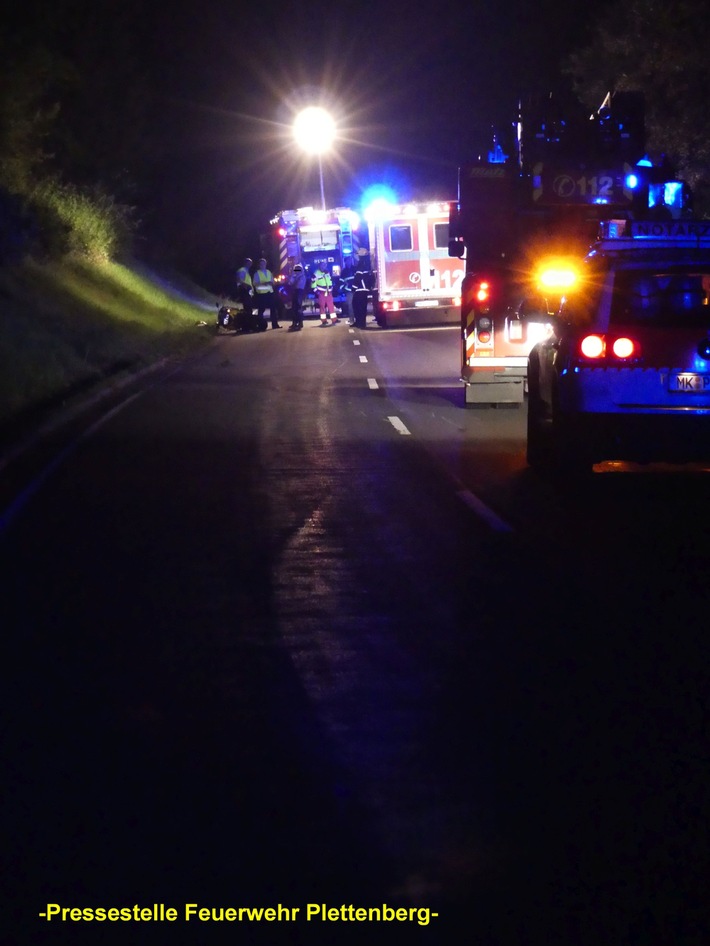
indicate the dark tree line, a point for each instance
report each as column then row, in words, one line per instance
column 659, row 48
column 75, row 96
column 151, row 104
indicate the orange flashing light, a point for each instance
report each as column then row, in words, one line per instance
column 483, row 292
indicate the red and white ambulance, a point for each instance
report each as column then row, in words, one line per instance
column 416, row 281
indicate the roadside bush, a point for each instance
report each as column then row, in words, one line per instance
column 82, row 222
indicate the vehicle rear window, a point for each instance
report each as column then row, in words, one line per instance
column 669, row 297
column 441, row 235
column 401, row 237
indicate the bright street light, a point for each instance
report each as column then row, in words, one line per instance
column 314, row 131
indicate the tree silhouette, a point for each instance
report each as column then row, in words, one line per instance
column 660, row 49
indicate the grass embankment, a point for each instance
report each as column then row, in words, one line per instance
column 65, row 327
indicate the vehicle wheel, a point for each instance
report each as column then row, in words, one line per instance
column 540, row 454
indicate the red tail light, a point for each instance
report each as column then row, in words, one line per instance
column 624, row 348
column 596, row 347
column 593, row 346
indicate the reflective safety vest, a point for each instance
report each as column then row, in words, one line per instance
column 244, row 277
column 263, row 281
column 321, row 281
column 360, row 282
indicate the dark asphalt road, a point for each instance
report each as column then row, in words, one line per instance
column 258, row 651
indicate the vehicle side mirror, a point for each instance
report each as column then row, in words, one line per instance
column 457, row 247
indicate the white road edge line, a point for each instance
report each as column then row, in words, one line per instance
column 372, row 384
column 399, row 426
column 484, row 512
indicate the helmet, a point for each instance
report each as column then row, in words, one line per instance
column 298, row 268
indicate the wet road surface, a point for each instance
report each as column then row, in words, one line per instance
column 259, row 652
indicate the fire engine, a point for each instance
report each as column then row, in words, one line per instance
column 314, row 237
column 416, row 280
column 520, row 216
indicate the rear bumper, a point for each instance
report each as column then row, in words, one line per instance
column 644, row 438
column 496, row 381
column 411, row 314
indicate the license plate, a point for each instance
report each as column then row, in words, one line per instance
column 427, row 303
column 689, row 381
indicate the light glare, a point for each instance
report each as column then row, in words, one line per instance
column 592, row 346
column 623, row 348
column 558, row 278
column 314, row 130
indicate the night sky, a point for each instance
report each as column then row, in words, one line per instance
column 415, row 90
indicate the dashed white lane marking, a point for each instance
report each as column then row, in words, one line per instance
column 484, row 512
column 363, row 359
column 399, row 426
column 372, row 384
column 356, row 341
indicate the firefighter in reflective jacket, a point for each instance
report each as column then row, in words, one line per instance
column 245, row 292
column 263, row 280
column 360, row 293
column 297, row 285
column 322, row 285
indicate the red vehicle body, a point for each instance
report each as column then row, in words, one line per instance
column 519, row 217
column 417, row 282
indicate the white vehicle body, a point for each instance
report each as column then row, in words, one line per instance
column 417, row 282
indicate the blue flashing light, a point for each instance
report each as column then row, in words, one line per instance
column 379, row 209
column 632, row 181
column 376, row 198
column 672, row 193
column 496, row 156
column 644, row 162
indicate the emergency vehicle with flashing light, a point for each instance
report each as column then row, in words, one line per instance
column 624, row 373
column 518, row 218
column 331, row 238
column 416, row 281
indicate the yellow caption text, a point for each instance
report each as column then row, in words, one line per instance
column 195, row 912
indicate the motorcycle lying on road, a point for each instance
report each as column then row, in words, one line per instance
column 230, row 318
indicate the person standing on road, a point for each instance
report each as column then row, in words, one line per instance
column 297, row 284
column 360, row 293
column 322, row 285
column 245, row 291
column 264, row 292
column 346, row 284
